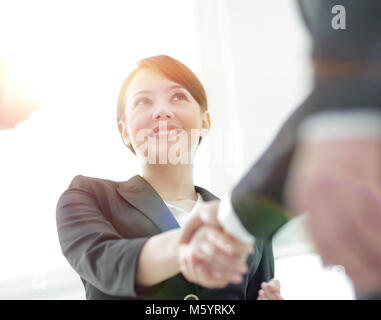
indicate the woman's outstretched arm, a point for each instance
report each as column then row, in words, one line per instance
column 211, row 259
column 158, row 259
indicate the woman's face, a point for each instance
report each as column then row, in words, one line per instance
column 163, row 122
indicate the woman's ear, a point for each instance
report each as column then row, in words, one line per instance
column 124, row 133
column 205, row 123
column 125, row 136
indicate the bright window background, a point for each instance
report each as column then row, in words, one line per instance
column 78, row 53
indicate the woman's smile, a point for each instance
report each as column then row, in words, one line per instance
column 164, row 131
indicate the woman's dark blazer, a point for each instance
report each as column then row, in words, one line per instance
column 102, row 226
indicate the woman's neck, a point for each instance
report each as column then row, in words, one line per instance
column 171, row 182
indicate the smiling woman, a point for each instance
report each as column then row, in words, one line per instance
column 173, row 99
column 113, row 233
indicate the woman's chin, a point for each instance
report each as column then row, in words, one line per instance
column 167, row 156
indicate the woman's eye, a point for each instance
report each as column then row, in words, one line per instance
column 179, row 97
column 143, row 101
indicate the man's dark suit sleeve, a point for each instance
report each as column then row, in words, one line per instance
column 92, row 246
column 257, row 198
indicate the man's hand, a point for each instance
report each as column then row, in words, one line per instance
column 206, row 215
column 339, row 185
column 208, row 255
column 213, row 258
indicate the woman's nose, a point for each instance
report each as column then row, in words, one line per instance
column 162, row 113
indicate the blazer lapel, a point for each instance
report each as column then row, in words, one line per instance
column 138, row 192
column 205, row 194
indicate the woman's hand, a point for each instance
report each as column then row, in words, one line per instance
column 270, row 291
column 213, row 258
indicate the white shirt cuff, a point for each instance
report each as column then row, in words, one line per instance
column 328, row 125
column 230, row 222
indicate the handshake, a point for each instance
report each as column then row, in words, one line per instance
column 212, row 258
